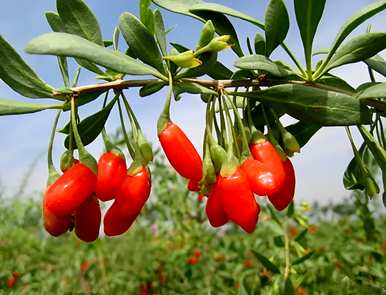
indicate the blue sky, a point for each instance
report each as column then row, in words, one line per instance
column 319, row 168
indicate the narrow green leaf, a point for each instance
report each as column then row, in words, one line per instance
column 259, row 44
column 303, row 258
column 146, row 15
column 288, row 287
column 140, row 41
column 12, row 107
column 63, row 44
column 192, row 88
column 266, row 262
column 55, row 21
column 353, row 22
column 378, row 64
column 301, row 235
column 90, row 127
column 335, row 81
column 376, row 149
column 357, row 49
column 79, row 20
column 375, row 91
column 352, row 177
column 57, row 25
column 318, row 106
column 150, row 89
column 18, row 75
column 83, row 99
column 276, row 25
column 303, row 131
column 216, row 7
column 186, row 6
column 159, row 30
column 308, row 15
column 260, row 62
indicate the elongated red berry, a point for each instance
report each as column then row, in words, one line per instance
column 180, row 152
column 55, row 225
column 281, row 199
column 111, row 172
column 262, row 180
column 214, row 209
column 88, row 220
column 70, row 190
column 263, row 151
column 238, row 200
column 130, row 199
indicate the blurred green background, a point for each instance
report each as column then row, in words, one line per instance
column 308, row 249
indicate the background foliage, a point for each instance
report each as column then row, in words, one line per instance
column 346, row 241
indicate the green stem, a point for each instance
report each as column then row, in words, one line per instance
column 287, row 264
column 84, row 156
column 222, row 121
column 53, row 174
column 129, row 147
column 245, row 151
column 106, row 140
column 62, row 62
column 232, row 136
column 76, row 77
column 164, row 118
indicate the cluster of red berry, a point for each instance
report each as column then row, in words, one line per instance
column 72, row 200
column 231, row 173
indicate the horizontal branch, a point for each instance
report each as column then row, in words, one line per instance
column 215, row 84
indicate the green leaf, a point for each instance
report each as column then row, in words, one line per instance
column 159, row 31
column 140, row 40
column 83, row 99
column 335, row 81
column 303, row 258
column 63, row 44
column 288, row 287
column 192, row 88
column 79, row 20
column 314, row 105
column 352, row 177
column 303, row 131
column 354, row 21
column 146, row 15
column 301, row 235
column 206, row 35
column 378, row 64
column 308, row 15
column 266, row 262
column 375, row 91
column 186, row 6
column 260, row 62
column 376, row 149
column 12, row 107
column 150, row 89
column 18, row 75
column 215, row 7
column 259, row 44
column 90, row 127
column 55, row 21
column 276, row 25
column 357, row 49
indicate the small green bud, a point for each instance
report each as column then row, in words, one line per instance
column 207, row 34
column 184, row 60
